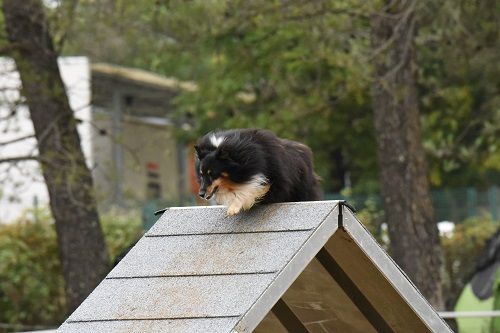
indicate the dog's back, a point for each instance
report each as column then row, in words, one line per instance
column 294, row 179
column 306, row 188
column 288, row 166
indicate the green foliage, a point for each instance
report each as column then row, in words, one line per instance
column 458, row 51
column 305, row 79
column 31, row 282
column 303, row 70
column 373, row 218
column 291, row 68
column 120, row 230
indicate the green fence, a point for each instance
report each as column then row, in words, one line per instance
column 452, row 204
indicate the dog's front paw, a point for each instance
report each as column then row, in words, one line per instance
column 233, row 210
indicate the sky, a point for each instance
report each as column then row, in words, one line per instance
column 21, row 186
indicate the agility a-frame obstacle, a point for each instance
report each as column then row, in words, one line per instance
column 197, row 270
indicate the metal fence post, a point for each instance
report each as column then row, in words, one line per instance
column 471, row 202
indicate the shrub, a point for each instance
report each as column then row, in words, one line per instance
column 31, row 288
column 31, row 282
column 373, row 218
column 121, row 228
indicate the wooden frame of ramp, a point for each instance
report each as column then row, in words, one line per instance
column 197, row 270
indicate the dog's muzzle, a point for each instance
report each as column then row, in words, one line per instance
column 207, row 196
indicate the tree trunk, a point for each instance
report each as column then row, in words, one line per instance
column 82, row 249
column 337, row 170
column 413, row 231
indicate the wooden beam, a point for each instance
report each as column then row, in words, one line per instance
column 353, row 292
column 288, row 318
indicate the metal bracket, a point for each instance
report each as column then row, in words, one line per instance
column 161, row 211
column 343, row 204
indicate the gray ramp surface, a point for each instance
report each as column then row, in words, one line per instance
column 197, row 270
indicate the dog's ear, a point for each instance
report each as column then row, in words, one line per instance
column 197, row 151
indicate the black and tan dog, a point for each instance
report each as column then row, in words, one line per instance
column 244, row 166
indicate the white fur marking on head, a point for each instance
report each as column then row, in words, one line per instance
column 216, row 140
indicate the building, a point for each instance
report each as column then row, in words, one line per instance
column 135, row 152
column 126, row 132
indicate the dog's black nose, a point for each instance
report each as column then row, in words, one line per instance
column 202, row 193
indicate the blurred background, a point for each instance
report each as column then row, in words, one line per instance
column 102, row 100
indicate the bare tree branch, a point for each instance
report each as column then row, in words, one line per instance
column 8, row 142
column 16, row 159
column 396, row 30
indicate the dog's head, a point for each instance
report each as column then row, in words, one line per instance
column 213, row 169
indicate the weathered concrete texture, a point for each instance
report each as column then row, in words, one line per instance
column 286, row 216
column 233, row 253
column 197, row 270
column 179, row 297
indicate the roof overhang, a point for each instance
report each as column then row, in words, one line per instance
column 142, row 77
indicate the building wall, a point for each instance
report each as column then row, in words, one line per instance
column 23, row 188
column 150, row 149
column 138, row 158
column 149, row 157
column 103, row 168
